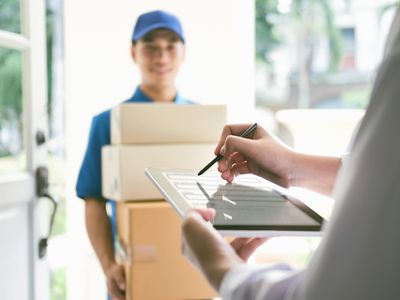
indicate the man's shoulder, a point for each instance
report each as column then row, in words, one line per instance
column 102, row 117
column 101, row 122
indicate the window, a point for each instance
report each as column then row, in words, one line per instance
column 315, row 62
column 318, row 54
column 12, row 150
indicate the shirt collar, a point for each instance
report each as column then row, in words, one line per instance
column 139, row 96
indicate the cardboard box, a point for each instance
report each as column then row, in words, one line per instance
column 150, row 233
column 144, row 123
column 123, row 176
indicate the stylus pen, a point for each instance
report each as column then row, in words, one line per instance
column 245, row 134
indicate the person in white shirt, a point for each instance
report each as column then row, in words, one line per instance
column 359, row 255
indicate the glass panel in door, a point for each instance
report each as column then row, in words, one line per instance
column 12, row 148
column 10, row 19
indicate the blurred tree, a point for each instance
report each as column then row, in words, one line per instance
column 10, row 76
column 307, row 19
column 9, row 15
column 50, row 24
column 11, row 102
column 313, row 17
column 266, row 36
column 10, row 99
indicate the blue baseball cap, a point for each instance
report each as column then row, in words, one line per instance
column 157, row 19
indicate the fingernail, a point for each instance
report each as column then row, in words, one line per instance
column 222, row 151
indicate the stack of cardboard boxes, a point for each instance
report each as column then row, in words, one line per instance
column 158, row 135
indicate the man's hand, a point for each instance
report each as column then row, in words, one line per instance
column 116, row 282
column 245, row 247
column 263, row 155
column 266, row 156
column 209, row 251
column 99, row 231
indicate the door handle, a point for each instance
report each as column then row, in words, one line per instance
column 40, row 137
column 42, row 191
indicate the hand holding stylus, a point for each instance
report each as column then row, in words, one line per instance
column 245, row 134
column 263, row 155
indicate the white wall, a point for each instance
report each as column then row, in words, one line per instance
column 99, row 74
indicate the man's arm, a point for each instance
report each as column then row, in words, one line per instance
column 314, row 172
column 99, row 230
column 266, row 156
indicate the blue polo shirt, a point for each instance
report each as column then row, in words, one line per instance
column 89, row 179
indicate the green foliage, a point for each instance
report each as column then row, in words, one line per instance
column 10, row 81
column 10, row 76
column 10, row 94
column 58, row 284
column 335, row 43
column 356, row 98
column 9, row 15
column 266, row 35
column 11, row 102
column 323, row 7
column 49, row 59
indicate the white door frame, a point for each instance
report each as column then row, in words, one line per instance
column 17, row 191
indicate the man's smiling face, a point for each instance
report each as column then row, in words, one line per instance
column 159, row 55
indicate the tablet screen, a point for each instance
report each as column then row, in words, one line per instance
column 249, row 203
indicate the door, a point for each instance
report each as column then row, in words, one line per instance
column 23, row 275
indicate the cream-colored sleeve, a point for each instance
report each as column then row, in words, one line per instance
column 359, row 256
column 257, row 282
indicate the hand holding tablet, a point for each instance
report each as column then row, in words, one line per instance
column 251, row 206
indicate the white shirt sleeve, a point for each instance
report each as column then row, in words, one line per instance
column 359, row 256
column 256, row 282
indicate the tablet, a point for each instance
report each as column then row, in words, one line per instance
column 249, row 207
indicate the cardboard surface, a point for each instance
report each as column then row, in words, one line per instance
column 148, row 123
column 155, row 269
column 123, row 176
